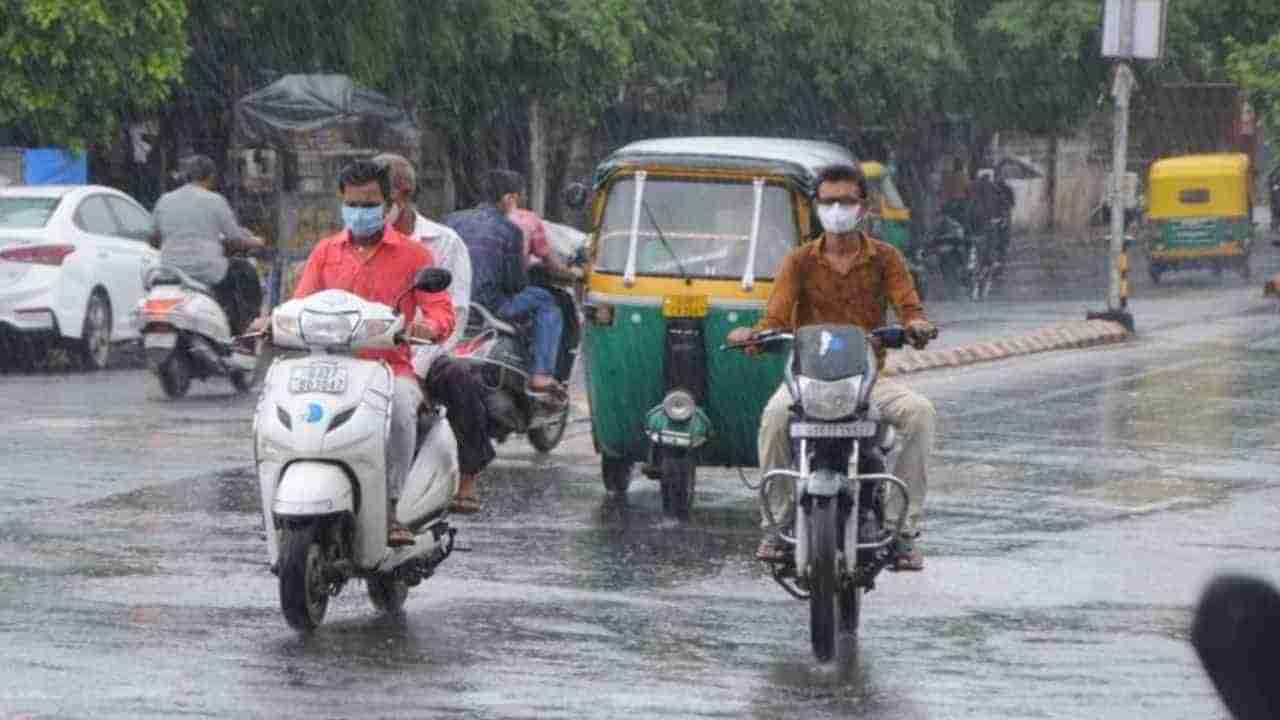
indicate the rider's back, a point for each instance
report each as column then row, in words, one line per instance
column 495, row 245
column 192, row 222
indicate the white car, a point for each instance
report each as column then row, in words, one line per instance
column 71, row 264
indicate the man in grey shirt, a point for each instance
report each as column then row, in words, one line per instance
column 197, row 228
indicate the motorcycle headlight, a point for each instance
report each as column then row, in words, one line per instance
column 327, row 328
column 830, row 400
column 678, row 405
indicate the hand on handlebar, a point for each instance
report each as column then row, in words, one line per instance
column 920, row 332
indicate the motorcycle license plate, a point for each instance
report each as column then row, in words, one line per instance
column 318, row 379
column 857, row 429
column 160, row 341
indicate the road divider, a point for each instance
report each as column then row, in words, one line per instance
column 1062, row 336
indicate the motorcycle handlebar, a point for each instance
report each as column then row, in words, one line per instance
column 892, row 337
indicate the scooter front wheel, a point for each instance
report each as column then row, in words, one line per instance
column 823, row 581
column 304, row 593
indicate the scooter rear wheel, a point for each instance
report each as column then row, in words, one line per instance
column 304, row 595
column 175, row 375
column 387, row 594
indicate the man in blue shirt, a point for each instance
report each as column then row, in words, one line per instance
column 498, row 278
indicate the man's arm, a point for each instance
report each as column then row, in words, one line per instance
column 436, row 309
column 234, row 235
column 901, row 288
column 780, row 311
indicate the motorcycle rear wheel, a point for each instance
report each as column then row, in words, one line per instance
column 304, row 595
column 823, row 585
column 387, row 594
column 545, row 438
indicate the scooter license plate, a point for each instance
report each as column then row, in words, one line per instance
column 160, row 341
column 318, row 379
column 856, row 429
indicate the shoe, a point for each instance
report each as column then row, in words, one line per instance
column 773, row 549
column 399, row 536
column 906, row 557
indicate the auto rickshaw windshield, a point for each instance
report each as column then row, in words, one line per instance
column 695, row 228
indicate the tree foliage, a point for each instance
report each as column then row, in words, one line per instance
column 73, row 68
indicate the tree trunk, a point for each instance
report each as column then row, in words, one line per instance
column 537, row 157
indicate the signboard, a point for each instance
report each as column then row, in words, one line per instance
column 1134, row 29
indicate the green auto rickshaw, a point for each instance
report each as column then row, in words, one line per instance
column 688, row 234
column 893, row 220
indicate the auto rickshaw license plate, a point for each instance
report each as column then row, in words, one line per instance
column 685, row 306
column 318, row 379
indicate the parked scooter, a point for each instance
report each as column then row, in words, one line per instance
column 186, row 334
column 841, row 449
column 320, row 444
column 500, row 353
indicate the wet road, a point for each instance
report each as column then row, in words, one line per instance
column 1079, row 502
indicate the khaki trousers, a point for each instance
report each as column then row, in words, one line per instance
column 908, row 411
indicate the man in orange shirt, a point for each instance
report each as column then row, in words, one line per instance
column 372, row 259
column 848, row 277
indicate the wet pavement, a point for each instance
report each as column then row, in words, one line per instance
column 1079, row 502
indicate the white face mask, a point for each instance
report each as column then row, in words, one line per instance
column 838, row 218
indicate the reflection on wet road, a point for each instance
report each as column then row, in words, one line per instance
column 1079, row 502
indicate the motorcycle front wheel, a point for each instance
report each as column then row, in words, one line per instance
column 823, row 580
column 304, row 593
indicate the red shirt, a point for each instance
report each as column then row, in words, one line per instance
column 380, row 278
column 535, row 235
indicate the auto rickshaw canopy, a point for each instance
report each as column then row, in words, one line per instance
column 1198, row 186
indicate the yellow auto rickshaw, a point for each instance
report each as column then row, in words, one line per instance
column 893, row 220
column 688, row 235
column 1200, row 214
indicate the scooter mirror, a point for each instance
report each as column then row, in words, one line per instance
column 432, row 279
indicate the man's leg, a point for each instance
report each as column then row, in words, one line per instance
column 240, row 294
column 406, row 397
column 774, row 448
column 915, row 418
column 547, row 326
column 451, row 384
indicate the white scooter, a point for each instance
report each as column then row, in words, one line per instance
column 320, row 445
column 185, row 333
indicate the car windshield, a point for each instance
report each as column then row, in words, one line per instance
column 706, row 225
column 26, row 212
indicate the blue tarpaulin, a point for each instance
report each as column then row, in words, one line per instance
column 54, row 166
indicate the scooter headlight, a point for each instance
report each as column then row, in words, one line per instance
column 832, row 400
column 284, row 330
column 678, row 405
column 327, row 329
column 371, row 328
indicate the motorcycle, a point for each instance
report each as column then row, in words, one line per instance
column 970, row 259
column 320, row 446
column 841, row 448
column 186, row 335
column 499, row 353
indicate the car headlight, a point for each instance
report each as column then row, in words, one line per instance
column 678, row 405
column 830, row 400
column 327, row 328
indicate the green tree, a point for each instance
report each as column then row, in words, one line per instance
column 74, row 68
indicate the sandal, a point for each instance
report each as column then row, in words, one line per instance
column 773, row 549
column 465, row 504
column 399, row 536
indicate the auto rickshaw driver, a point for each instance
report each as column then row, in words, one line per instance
column 831, row 280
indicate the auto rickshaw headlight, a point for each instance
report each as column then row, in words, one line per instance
column 678, row 405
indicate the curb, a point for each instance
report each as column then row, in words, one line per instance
column 1065, row 335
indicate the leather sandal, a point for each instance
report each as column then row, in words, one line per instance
column 907, row 558
column 773, row 549
column 465, row 504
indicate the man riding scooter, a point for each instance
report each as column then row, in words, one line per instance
column 374, row 260
column 197, row 229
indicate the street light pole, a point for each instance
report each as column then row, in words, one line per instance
column 1117, row 298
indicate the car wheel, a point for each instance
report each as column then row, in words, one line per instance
column 94, row 347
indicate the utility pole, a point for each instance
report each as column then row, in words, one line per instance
column 1131, row 29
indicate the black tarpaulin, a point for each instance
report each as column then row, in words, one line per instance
column 296, row 108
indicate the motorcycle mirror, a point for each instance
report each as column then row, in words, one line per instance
column 432, row 279
column 575, row 195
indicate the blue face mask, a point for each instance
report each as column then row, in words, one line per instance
column 363, row 222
